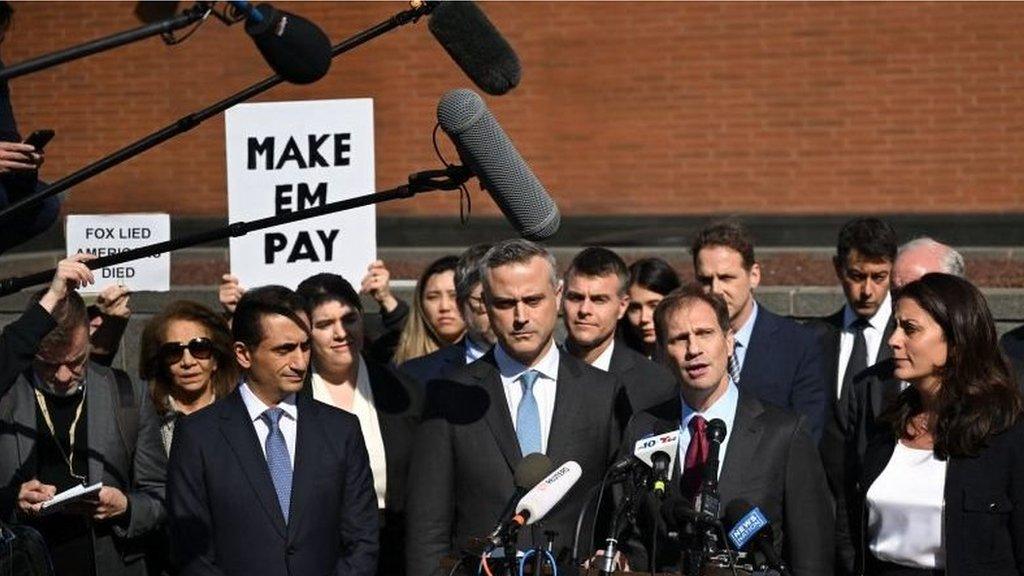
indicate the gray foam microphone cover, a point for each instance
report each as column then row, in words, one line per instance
column 490, row 154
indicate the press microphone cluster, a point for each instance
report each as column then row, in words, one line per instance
column 752, row 531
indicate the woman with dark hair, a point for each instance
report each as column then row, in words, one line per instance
column 941, row 490
column 435, row 320
column 186, row 356
column 650, row 280
column 386, row 402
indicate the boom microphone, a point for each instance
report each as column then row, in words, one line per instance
column 476, row 46
column 293, row 47
column 489, row 153
column 751, row 526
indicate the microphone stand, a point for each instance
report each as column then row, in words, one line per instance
column 450, row 178
column 627, row 512
column 190, row 121
column 194, row 14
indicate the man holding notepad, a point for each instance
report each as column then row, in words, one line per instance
column 66, row 423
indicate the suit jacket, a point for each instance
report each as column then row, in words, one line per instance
column 984, row 518
column 437, row 364
column 19, row 342
column 772, row 463
column 842, row 449
column 466, row 451
column 139, row 475
column 647, row 383
column 783, row 365
column 225, row 517
column 399, row 403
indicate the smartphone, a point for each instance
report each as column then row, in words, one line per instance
column 40, row 138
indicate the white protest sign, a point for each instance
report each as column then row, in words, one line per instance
column 106, row 234
column 288, row 156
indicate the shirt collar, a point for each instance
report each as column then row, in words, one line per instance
column 512, row 368
column 604, row 361
column 255, row 407
column 877, row 321
column 742, row 335
column 473, row 350
column 723, row 408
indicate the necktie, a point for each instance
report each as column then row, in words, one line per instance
column 278, row 461
column 696, row 455
column 734, row 363
column 528, row 415
column 858, row 358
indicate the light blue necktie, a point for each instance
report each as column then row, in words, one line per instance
column 734, row 363
column 528, row 415
column 278, row 461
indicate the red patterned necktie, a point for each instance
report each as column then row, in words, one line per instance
column 696, row 455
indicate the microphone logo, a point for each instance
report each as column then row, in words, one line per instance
column 747, row 526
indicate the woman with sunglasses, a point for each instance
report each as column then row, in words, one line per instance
column 940, row 490
column 187, row 358
column 386, row 402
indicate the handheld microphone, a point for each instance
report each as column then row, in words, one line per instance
column 708, row 500
column 545, row 495
column 751, row 526
column 531, row 470
column 489, row 153
column 293, row 47
column 659, row 452
column 476, row 46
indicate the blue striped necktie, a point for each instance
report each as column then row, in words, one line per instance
column 278, row 460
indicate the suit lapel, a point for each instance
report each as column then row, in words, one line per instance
column 620, row 362
column 759, row 348
column 101, row 425
column 884, row 351
column 746, row 435
column 833, row 343
column 570, row 386
column 241, row 437
column 498, row 418
column 309, row 446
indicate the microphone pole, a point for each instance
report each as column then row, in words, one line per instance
column 450, row 178
column 194, row 14
column 186, row 123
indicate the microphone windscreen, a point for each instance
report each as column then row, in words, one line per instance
column 531, row 470
column 152, row 11
column 489, row 153
column 293, row 47
column 549, row 491
column 716, row 430
column 476, row 46
column 736, row 510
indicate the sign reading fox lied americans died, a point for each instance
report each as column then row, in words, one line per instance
column 288, row 156
column 109, row 234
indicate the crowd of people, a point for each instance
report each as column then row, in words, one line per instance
column 294, row 432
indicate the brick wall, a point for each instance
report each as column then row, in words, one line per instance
column 638, row 108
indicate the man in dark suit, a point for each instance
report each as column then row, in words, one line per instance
column 67, row 421
column 266, row 481
column 768, row 458
column 594, row 299
column 776, row 359
column 524, row 396
column 479, row 337
column 857, row 335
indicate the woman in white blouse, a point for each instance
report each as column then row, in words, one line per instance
column 386, row 402
column 941, row 490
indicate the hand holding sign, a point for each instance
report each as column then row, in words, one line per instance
column 377, row 283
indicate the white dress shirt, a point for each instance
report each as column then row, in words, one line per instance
column 905, row 507
column 288, row 423
column 742, row 337
column 543, row 390
column 604, row 361
column 364, row 408
column 724, row 408
column 474, row 351
column 873, row 334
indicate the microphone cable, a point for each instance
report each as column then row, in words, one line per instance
column 547, row 553
column 465, row 200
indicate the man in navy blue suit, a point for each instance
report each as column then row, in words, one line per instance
column 479, row 337
column 267, row 481
column 775, row 358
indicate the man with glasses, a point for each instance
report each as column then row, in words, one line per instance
column 68, row 421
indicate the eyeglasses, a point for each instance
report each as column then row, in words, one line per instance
column 199, row 348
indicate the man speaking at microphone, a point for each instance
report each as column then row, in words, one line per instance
column 522, row 397
column 768, row 457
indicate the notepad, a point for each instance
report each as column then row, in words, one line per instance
column 73, row 494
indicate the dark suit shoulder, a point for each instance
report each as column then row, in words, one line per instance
column 430, row 366
column 1013, row 342
column 827, row 325
column 394, row 391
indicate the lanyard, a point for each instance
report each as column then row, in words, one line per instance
column 41, row 400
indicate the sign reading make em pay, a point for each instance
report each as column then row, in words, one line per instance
column 106, row 234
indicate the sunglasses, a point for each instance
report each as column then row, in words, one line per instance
column 199, row 348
